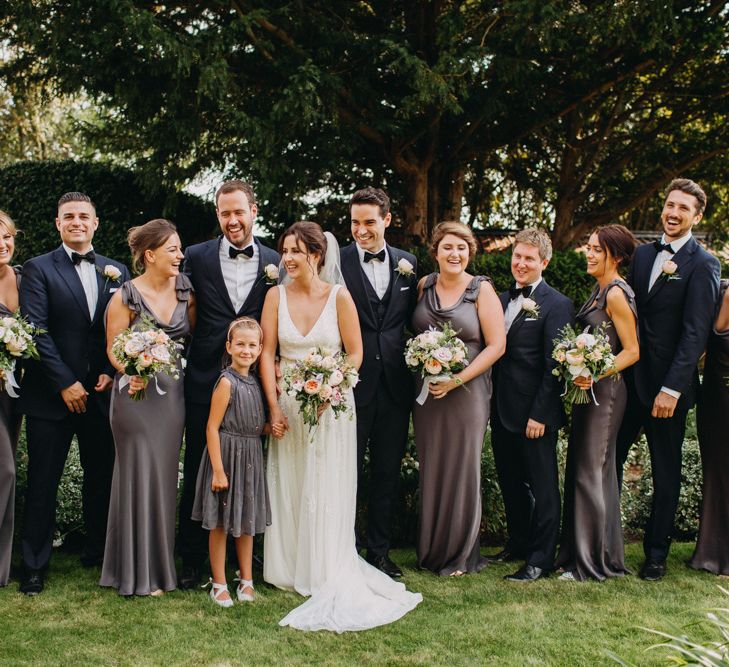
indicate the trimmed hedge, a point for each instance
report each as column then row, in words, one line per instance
column 29, row 193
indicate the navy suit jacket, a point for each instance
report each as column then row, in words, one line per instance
column 524, row 387
column 674, row 320
column 384, row 356
column 215, row 312
column 74, row 345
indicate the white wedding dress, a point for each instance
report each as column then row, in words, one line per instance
column 310, row 545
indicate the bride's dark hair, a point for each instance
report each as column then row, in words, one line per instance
column 311, row 235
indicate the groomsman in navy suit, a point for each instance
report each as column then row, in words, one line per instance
column 526, row 409
column 231, row 275
column 382, row 281
column 66, row 393
column 676, row 285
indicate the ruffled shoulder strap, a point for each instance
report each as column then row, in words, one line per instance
column 474, row 287
column 183, row 287
column 131, row 297
column 601, row 300
column 430, row 281
column 18, row 274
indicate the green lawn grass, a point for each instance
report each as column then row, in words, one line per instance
column 477, row 619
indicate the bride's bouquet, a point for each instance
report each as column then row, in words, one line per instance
column 16, row 342
column 319, row 380
column 436, row 355
column 581, row 354
column 146, row 350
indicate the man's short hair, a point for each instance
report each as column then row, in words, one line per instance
column 690, row 188
column 233, row 186
column 538, row 238
column 75, row 196
column 373, row 196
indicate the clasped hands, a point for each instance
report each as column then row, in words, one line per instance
column 75, row 396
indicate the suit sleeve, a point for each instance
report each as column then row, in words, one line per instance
column 561, row 314
column 33, row 297
column 702, row 296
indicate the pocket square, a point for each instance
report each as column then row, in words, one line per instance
column 402, row 289
column 112, row 290
column 531, row 319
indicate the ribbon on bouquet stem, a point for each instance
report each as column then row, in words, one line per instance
column 592, row 391
column 126, row 379
column 11, row 384
column 426, row 384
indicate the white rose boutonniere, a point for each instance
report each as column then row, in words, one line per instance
column 670, row 270
column 110, row 272
column 530, row 307
column 404, row 268
column 270, row 274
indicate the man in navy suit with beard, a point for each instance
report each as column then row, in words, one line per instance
column 231, row 275
column 66, row 392
column 526, row 411
column 676, row 285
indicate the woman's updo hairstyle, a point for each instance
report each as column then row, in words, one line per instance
column 457, row 229
column 149, row 236
column 618, row 242
column 311, row 236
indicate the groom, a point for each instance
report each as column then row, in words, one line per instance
column 526, row 411
column 66, row 393
column 676, row 284
column 382, row 281
column 230, row 278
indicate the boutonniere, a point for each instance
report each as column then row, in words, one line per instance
column 404, row 268
column 670, row 270
column 530, row 307
column 270, row 274
column 110, row 272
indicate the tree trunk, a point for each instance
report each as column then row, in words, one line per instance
column 452, row 203
column 416, row 208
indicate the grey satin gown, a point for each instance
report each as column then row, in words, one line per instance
column 712, row 546
column 9, row 431
column 140, row 537
column 449, row 435
column 592, row 535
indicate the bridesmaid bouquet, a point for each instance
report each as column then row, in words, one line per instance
column 146, row 350
column 582, row 354
column 320, row 380
column 16, row 342
column 436, row 355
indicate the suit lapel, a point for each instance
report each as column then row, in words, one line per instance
column 682, row 259
column 354, row 278
column 257, row 282
column 396, row 282
column 212, row 261
column 537, row 296
column 66, row 270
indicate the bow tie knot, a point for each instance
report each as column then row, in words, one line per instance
column 514, row 292
column 379, row 256
column 663, row 246
column 77, row 257
column 233, row 252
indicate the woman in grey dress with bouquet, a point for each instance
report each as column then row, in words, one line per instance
column 450, row 425
column 9, row 421
column 140, row 538
column 592, row 535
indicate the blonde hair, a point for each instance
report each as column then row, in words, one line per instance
column 7, row 222
column 537, row 238
column 458, row 229
column 246, row 323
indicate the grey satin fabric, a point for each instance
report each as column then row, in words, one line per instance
column 592, row 534
column 449, row 436
column 243, row 508
column 140, row 537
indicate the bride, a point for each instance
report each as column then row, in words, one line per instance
column 310, row 546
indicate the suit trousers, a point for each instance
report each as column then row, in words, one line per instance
column 382, row 428
column 529, row 481
column 48, row 445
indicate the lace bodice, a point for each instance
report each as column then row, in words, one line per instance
column 324, row 334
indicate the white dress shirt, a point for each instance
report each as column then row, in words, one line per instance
column 377, row 272
column 87, row 273
column 239, row 274
column 661, row 257
column 514, row 307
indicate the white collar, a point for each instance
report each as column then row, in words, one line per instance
column 70, row 251
column 225, row 245
column 532, row 285
column 678, row 243
column 361, row 252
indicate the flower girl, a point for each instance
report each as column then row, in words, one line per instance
column 231, row 495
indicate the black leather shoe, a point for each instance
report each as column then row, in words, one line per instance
column 527, row 573
column 652, row 570
column 506, row 555
column 189, row 577
column 31, row 582
column 384, row 564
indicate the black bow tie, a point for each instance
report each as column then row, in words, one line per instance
column 77, row 257
column 514, row 292
column 234, row 252
column 663, row 246
column 379, row 256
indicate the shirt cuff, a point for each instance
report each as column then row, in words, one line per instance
column 671, row 392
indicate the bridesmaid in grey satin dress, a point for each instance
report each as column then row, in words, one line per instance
column 592, row 535
column 9, row 422
column 712, row 546
column 140, row 538
column 450, row 425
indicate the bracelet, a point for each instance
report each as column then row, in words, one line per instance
column 457, row 380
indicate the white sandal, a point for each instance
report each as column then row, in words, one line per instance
column 216, row 590
column 242, row 585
